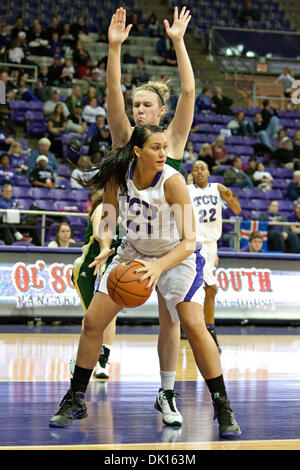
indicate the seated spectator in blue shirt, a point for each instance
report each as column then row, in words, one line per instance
column 293, row 189
column 295, row 217
column 280, row 238
column 43, row 149
column 255, row 243
column 8, row 230
column 240, row 126
column 204, row 102
column 95, row 127
column 18, row 159
column 6, row 171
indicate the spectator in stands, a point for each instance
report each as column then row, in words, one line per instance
column 138, row 26
column 50, row 105
column 55, row 71
column 44, row 149
column 37, row 42
column 250, row 17
column 9, row 230
column 16, row 53
column 4, row 41
column 84, row 172
column 170, row 56
column 18, row 158
column 140, row 74
column 19, row 27
column 228, row 229
column 204, row 103
column 127, row 82
column 10, row 88
column 268, row 113
column 266, row 133
column 101, row 141
column 250, row 169
column 223, row 103
column 240, row 126
column 286, row 78
column 99, row 72
column 74, row 98
column 88, row 204
column 296, row 144
column 293, row 189
column 206, row 156
column 255, row 243
column 66, row 36
column 280, row 238
column 93, row 128
column 91, row 110
column 68, row 72
column 79, row 28
column 235, row 176
column 261, row 178
column 63, row 238
column 163, row 44
column 284, row 155
column 41, row 176
column 219, row 151
column 80, row 55
column 75, row 122
column 189, row 155
column 7, row 173
column 85, row 70
column 53, row 27
column 5, row 141
column 56, row 46
column 57, row 124
column 295, row 218
column 152, row 28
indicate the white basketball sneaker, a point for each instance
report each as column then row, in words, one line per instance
column 166, row 404
column 101, row 370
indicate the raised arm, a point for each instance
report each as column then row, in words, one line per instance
column 118, row 122
column 181, row 123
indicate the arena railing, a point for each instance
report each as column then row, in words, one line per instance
column 4, row 65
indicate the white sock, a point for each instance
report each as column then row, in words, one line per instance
column 167, row 380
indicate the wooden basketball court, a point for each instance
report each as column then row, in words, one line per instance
column 261, row 369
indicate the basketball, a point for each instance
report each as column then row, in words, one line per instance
column 124, row 287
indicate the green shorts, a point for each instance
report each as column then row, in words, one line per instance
column 83, row 277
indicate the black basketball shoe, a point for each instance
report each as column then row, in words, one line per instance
column 228, row 427
column 72, row 407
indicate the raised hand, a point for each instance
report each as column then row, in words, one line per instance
column 178, row 28
column 118, row 31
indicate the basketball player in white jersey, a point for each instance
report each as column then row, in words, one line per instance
column 154, row 203
column 149, row 105
column 207, row 199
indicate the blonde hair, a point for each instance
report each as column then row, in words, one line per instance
column 204, row 146
column 160, row 88
column 220, row 137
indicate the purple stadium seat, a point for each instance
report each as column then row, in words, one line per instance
column 79, row 195
column 255, row 214
column 285, row 205
column 274, row 194
column 40, row 193
column 254, row 193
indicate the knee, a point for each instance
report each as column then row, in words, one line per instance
column 193, row 329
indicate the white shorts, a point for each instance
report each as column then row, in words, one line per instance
column 209, row 252
column 183, row 283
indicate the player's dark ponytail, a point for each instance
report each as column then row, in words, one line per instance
column 116, row 163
